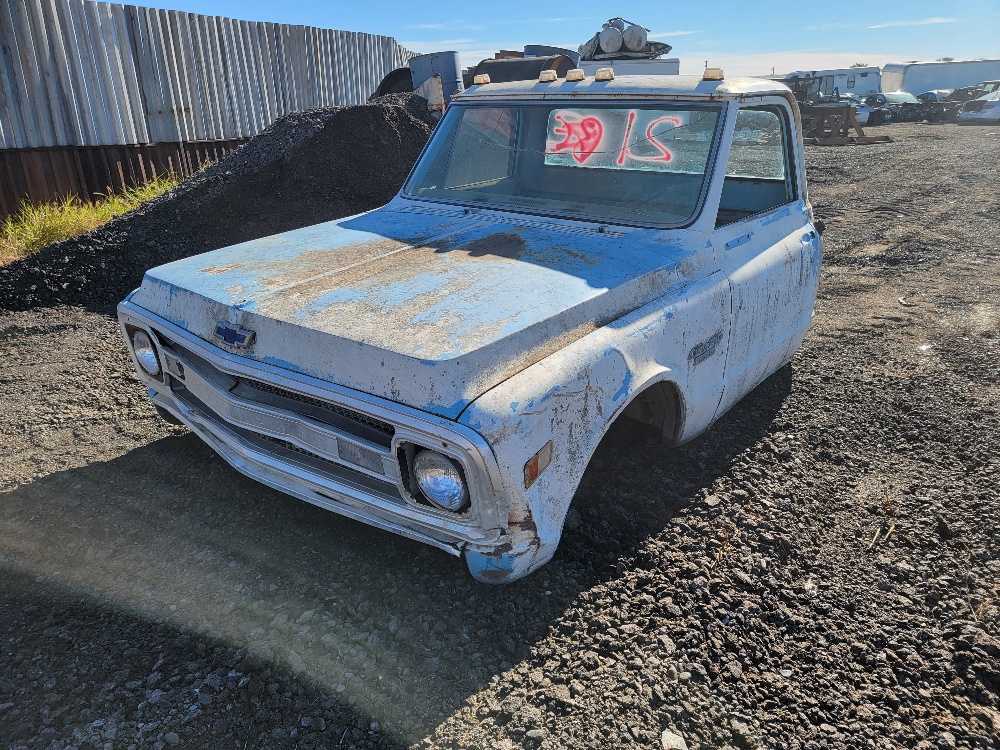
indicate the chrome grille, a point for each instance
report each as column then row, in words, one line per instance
column 326, row 433
column 360, row 456
column 288, row 446
column 348, row 420
column 342, row 411
column 383, row 486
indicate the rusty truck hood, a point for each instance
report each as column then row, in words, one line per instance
column 426, row 307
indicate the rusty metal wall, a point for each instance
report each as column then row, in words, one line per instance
column 43, row 174
column 84, row 73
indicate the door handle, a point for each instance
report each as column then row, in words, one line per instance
column 742, row 240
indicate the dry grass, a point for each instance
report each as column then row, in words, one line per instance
column 34, row 227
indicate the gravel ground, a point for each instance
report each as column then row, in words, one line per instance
column 819, row 571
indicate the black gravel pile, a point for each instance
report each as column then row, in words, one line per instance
column 306, row 168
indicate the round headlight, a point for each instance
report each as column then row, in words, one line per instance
column 440, row 480
column 145, row 353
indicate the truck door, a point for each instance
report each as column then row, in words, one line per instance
column 768, row 247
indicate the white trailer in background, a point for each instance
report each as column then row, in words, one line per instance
column 860, row 81
column 918, row 77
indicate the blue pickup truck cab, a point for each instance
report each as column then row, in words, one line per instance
column 564, row 254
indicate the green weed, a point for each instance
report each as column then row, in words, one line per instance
column 35, row 226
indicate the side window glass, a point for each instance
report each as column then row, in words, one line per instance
column 758, row 176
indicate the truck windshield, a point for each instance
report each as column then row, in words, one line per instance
column 643, row 164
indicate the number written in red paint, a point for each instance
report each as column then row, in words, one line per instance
column 613, row 138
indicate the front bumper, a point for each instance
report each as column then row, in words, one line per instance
column 354, row 472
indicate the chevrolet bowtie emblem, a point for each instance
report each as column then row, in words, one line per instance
column 234, row 335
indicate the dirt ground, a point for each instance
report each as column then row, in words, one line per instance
column 820, row 570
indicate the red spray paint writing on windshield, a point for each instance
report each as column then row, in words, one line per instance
column 664, row 155
column 582, row 138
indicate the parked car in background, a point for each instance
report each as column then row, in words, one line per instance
column 964, row 94
column 862, row 112
column 935, row 104
column 878, row 110
column 938, row 95
column 984, row 110
column 952, row 104
column 968, row 93
column 903, row 106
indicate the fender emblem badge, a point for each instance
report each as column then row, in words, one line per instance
column 234, row 335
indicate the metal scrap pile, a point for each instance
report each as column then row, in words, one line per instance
column 619, row 39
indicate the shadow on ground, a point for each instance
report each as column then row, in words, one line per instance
column 170, row 543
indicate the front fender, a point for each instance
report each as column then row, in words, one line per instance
column 573, row 396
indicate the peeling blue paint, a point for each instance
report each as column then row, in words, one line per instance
column 775, row 216
column 344, row 295
column 498, row 568
column 283, row 364
column 450, row 412
column 623, row 391
column 549, row 394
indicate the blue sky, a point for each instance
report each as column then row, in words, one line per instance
column 728, row 33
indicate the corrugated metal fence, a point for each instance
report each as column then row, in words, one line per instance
column 43, row 174
column 95, row 96
column 84, row 73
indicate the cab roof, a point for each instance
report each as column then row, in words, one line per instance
column 686, row 87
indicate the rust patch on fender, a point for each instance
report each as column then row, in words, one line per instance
column 523, row 523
